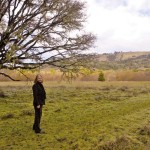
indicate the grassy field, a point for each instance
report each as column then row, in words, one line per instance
column 77, row 116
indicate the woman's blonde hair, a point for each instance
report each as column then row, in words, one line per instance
column 36, row 77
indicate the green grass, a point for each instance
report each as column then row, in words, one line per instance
column 77, row 116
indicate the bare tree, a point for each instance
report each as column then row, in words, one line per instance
column 38, row 32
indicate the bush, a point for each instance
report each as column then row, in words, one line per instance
column 101, row 76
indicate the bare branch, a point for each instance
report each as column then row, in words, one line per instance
column 6, row 75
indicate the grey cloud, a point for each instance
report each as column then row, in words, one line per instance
column 145, row 8
column 144, row 12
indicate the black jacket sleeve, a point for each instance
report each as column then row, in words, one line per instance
column 35, row 95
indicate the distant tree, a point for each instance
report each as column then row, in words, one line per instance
column 38, row 32
column 101, row 76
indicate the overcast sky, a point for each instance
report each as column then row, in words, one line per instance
column 120, row 25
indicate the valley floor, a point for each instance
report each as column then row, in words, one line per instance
column 77, row 116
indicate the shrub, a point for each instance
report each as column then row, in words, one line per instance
column 101, row 76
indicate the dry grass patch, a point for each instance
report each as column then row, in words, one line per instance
column 121, row 143
column 2, row 94
column 145, row 130
column 7, row 116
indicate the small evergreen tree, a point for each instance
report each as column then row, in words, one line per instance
column 101, row 76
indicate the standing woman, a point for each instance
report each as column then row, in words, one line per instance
column 39, row 97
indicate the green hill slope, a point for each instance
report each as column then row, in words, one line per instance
column 123, row 60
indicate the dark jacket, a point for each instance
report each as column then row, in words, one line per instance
column 39, row 94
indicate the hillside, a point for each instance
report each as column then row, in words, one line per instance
column 123, row 60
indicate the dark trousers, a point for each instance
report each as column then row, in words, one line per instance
column 37, row 118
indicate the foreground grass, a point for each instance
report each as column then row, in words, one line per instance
column 77, row 116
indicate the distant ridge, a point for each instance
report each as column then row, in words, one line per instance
column 119, row 56
column 124, row 60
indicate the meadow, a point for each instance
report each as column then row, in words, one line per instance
column 77, row 116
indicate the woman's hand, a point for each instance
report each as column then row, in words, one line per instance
column 38, row 106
